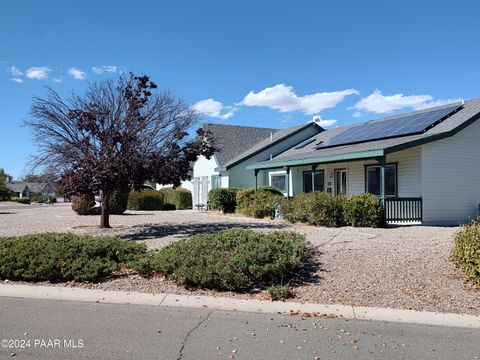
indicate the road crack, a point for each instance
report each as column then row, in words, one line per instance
column 192, row 330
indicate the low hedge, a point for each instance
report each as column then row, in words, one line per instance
column 118, row 201
column 43, row 199
column 233, row 259
column 223, row 199
column 259, row 203
column 65, row 257
column 145, row 200
column 323, row 209
column 21, row 200
column 83, row 204
column 466, row 251
column 176, row 199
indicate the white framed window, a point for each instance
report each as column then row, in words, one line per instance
column 216, row 181
column 279, row 181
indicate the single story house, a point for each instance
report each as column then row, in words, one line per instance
column 423, row 165
column 23, row 189
column 239, row 147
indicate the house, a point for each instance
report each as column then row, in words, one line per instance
column 424, row 165
column 239, row 147
column 23, row 189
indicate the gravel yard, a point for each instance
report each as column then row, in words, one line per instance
column 404, row 267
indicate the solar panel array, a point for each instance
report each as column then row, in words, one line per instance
column 398, row 126
column 304, row 143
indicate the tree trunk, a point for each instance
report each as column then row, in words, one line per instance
column 105, row 218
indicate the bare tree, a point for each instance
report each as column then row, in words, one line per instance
column 120, row 134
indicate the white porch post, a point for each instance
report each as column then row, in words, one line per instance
column 382, row 180
column 313, row 177
column 288, row 181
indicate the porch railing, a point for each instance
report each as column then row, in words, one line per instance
column 403, row 210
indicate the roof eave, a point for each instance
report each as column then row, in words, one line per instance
column 358, row 155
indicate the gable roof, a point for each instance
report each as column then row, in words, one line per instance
column 232, row 140
column 469, row 113
column 20, row 186
column 276, row 137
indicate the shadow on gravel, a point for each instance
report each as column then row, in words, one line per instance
column 6, row 213
column 146, row 232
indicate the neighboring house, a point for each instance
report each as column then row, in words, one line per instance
column 424, row 165
column 26, row 189
column 239, row 147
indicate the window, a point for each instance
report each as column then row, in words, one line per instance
column 216, row 182
column 279, row 182
column 319, row 182
column 340, row 182
column 372, row 179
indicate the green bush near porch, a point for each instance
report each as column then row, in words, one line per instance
column 65, row 257
column 363, row 210
column 322, row 209
column 466, row 251
column 314, row 208
column 176, row 199
column 258, row 203
column 223, row 199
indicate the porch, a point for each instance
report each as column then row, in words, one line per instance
column 395, row 178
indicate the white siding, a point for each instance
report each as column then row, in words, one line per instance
column 409, row 178
column 241, row 177
column 451, row 178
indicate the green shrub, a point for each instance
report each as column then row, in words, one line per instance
column 43, row 199
column 314, row 208
column 21, row 200
column 279, row 292
column 145, row 200
column 118, row 201
column 83, row 204
column 233, row 259
column 176, row 199
column 259, row 203
column 466, row 251
column 363, row 211
column 64, row 257
column 223, row 199
column 244, row 198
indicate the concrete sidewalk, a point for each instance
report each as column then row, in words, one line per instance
column 231, row 304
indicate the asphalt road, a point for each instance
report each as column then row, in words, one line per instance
column 49, row 329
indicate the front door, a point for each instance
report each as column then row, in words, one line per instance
column 340, row 182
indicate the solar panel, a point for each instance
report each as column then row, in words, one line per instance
column 398, row 126
column 304, row 143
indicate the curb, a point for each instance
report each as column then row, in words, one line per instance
column 232, row 304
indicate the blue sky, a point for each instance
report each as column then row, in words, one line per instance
column 259, row 63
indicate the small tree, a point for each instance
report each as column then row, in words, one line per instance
column 120, row 134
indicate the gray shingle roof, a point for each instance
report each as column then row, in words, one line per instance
column 233, row 140
column 270, row 140
column 19, row 186
column 451, row 124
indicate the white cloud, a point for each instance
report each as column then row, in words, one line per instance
column 77, row 73
column 324, row 122
column 17, row 80
column 58, row 80
column 378, row 103
column 214, row 108
column 37, row 73
column 105, row 68
column 282, row 98
column 15, row 71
